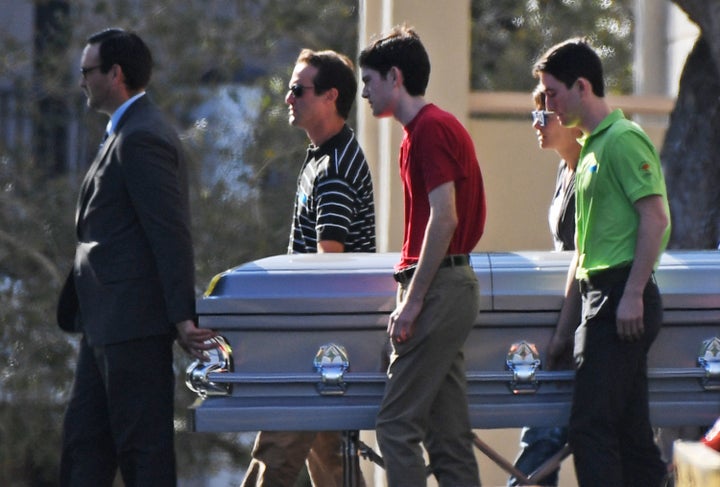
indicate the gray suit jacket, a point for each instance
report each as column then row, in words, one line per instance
column 133, row 274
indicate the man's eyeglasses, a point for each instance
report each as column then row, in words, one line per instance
column 298, row 90
column 541, row 117
column 85, row 71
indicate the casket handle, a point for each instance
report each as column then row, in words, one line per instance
column 523, row 360
column 221, row 360
column 709, row 359
column 331, row 362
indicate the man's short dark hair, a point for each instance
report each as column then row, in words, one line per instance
column 401, row 48
column 334, row 70
column 570, row 60
column 127, row 50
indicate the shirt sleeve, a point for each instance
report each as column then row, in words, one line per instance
column 335, row 208
column 636, row 165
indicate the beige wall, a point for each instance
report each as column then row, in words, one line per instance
column 519, row 180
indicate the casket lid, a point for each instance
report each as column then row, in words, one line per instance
column 363, row 283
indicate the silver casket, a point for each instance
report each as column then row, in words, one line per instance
column 306, row 346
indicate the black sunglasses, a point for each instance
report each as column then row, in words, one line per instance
column 298, row 90
column 541, row 117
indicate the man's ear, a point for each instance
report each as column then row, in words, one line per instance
column 396, row 75
column 116, row 70
column 584, row 85
column 118, row 75
column 332, row 94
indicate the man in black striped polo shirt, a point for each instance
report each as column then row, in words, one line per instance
column 334, row 209
column 334, row 212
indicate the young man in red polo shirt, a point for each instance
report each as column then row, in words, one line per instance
column 438, row 300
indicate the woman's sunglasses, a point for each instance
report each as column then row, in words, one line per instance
column 541, row 117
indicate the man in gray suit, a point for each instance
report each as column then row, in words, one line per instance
column 131, row 289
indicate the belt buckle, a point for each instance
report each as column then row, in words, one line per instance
column 403, row 276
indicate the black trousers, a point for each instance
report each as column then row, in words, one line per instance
column 120, row 415
column 610, row 430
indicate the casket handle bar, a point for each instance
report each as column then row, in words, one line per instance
column 221, row 361
column 331, row 362
column 709, row 359
column 523, row 360
column 523, row 375
column 268, row 378
column 473, row 377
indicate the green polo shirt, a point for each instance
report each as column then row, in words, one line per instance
column 618, row 166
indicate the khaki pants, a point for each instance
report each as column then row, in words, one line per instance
column 278, row 457
column 426, row 395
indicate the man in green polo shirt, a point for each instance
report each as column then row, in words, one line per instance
column 622, row 228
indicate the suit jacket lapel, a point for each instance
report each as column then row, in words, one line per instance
column 86, row 187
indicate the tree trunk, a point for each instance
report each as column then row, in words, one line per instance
column 690, row 154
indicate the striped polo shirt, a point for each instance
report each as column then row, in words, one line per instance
column 334, row 199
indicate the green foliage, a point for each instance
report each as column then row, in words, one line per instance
column 36, row 364
column 199, row 47
column 509, row 35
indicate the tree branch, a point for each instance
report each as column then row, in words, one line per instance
column 33, row 254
